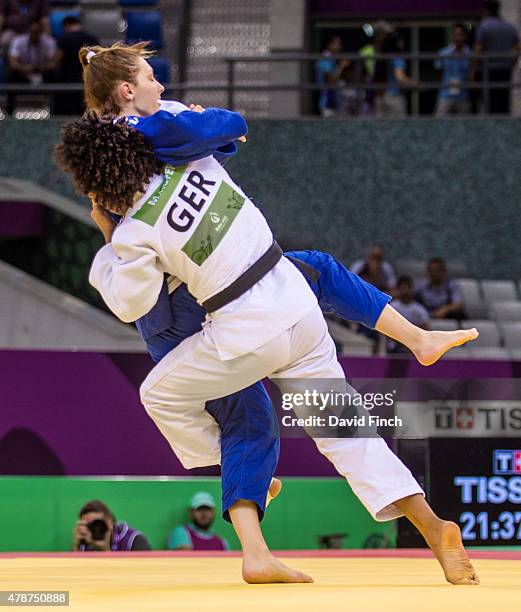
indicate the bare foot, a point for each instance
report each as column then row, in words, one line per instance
column 273, row 491
column 434, row 344
column 264, row 568
column 445, row 542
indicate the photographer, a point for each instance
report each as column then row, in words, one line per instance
column 97, row 530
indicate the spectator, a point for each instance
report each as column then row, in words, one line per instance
column 440, row 295
column 32, row 59
column 379, row 32
column 197, row 534
column 375, row 270
column 391, row 101
column 17, row 15
column 409, row 308
column 496, row 35
column 98, row 530
column 70, row 70
column 329, row 71
column 453, row 98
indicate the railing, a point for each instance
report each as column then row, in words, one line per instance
column 481, row 62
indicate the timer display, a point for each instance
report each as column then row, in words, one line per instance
column 476, row 482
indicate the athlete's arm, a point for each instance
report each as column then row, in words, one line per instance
column 128, row 276
column 190, row 135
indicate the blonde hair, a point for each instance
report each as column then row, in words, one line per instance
column 105, row 67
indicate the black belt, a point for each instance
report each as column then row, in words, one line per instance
column 246, row 280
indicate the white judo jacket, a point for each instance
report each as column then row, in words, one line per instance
column 195, row 223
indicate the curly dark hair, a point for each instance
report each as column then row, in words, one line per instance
column 108, row 159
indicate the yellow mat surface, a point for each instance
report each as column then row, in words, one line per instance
column 368, row 585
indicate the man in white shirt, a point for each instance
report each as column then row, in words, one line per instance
column 32, row 59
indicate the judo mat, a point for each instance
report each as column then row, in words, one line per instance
column 368, row 580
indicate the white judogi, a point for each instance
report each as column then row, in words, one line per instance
column 196, row 224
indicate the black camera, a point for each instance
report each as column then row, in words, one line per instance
column 98, row 529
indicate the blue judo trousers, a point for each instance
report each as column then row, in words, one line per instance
column 250, row 442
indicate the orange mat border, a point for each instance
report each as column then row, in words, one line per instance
column 401, row 553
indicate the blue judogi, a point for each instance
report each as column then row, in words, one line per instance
column 250, row 443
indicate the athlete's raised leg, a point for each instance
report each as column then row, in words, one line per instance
column 346, row 295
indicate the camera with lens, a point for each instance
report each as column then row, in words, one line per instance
column 98, row 529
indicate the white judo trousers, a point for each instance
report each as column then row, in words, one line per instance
column 175, row 391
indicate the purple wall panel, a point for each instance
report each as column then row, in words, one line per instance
column 387, row 7
column 21, row 219
column 79, row 413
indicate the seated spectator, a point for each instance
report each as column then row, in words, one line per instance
column 454, row 63
column 197, row 534
column 375, row 270
column 328, row 71
column 441, row 296
column 70, row 70
column 32, row 59
column 16, row 17
column 98, row 530
column 409, row 308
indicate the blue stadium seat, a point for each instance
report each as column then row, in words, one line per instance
column 138, row 2
column 145, row 25
column 56, row 20
column 161, row 68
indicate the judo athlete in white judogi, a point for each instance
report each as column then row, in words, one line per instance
column 195, row 223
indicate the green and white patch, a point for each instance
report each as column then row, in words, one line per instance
column 193, row 211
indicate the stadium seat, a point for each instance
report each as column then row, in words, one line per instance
column 515, row 354
column 106, row 24
column 475, row 306
column 489, row 352
column 145, row 25
column 506, row 310
column 498, row 290
column 511, row 332
column 56, row 20
column 459, row 352
column 489, row 335
column 138, row 2
column 443, row 324
column 161, row 68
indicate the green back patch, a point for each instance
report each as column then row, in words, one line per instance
column 214, row 225
column 153, row 207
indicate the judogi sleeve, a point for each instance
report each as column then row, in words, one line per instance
column 128, row 277
column 189, row 136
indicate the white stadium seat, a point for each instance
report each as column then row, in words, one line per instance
column 498, row 290
column 489, row 335
column 475, row 306
column 506, row 310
